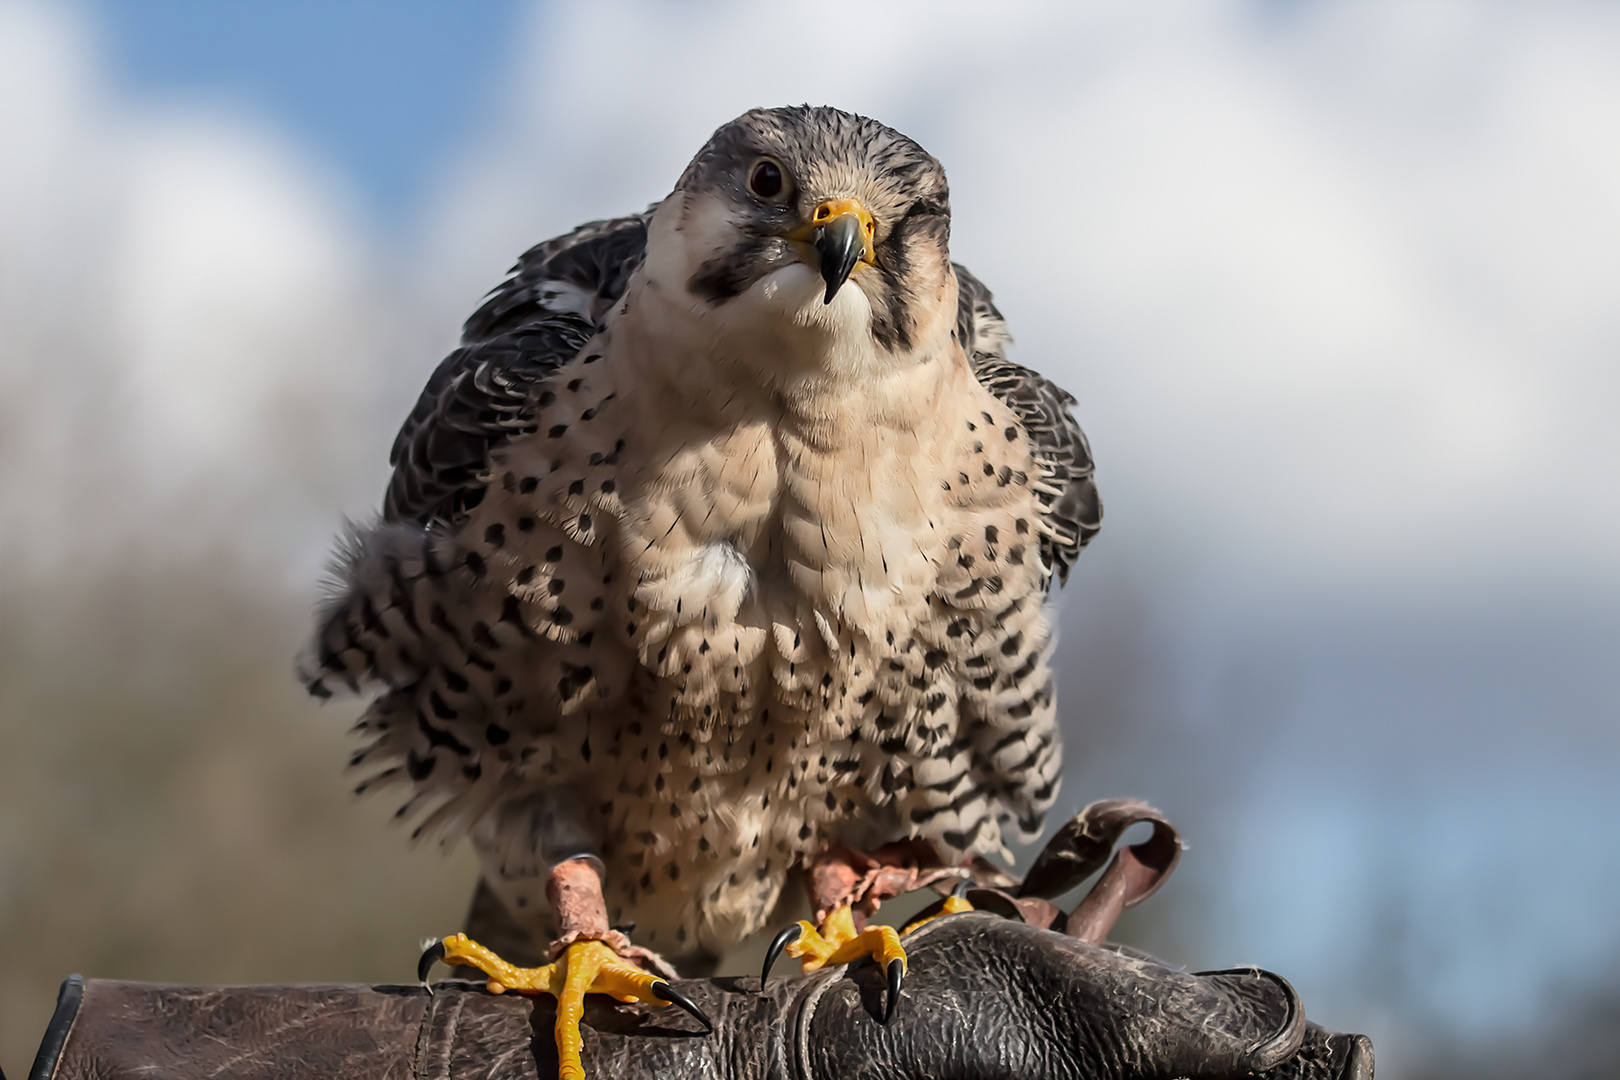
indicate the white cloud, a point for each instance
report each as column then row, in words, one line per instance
column 1333, row 281
column 188, row 325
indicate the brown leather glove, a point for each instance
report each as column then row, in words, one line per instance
column 987, row 996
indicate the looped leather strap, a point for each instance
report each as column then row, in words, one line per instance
column 1082, row 845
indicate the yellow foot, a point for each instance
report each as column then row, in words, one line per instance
column 838, row 942
column 586, row 967
column 953, row 904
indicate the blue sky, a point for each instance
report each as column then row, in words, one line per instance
column 383, row 90
column 1333, row 281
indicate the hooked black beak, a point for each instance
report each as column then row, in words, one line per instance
column 840, row 242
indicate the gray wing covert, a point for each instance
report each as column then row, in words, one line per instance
column 388, row 623
column 1071, row 505
column 485, row 392
column 481, row 396
column 583, row 272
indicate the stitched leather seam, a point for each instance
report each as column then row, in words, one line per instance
column 807, row 1012
column 1269, row 1051
column 422, row 1030
column 49, row 1059
column 423, row 1059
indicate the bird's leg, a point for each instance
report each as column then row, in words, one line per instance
column 588, row 957
column 845, row 887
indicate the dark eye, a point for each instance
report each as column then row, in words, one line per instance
column 765, row 179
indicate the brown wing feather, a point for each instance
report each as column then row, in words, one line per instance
column 486, row 392
column 1073, row 509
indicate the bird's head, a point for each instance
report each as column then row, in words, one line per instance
column 821, row 232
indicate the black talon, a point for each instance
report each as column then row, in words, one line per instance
column 675, row 997
column 897, row 971
column 781, row 941
column 430, row 956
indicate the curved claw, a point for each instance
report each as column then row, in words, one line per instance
column 788, row 936
column 897, row 971
column 430, row 956
column 675, row 997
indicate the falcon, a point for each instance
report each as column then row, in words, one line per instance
column 719, row 552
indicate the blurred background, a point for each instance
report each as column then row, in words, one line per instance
column 1337, row 285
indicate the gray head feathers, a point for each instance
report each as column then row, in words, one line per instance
column 826, row 156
